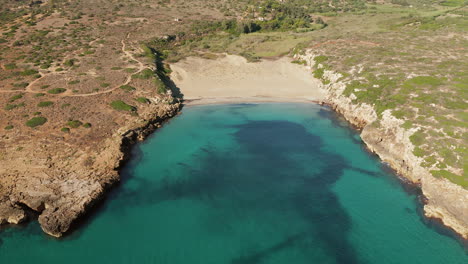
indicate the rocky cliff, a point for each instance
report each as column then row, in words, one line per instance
column 386, row 137
column 61, row 188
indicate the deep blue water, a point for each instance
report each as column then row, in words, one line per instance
column 249, row 183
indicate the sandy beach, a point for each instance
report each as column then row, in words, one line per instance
column 231, row 79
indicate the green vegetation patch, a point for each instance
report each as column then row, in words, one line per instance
column 122, row 106
column 65, row 129
column 457, row 179
column 45, row 104
column 28, row 72
column 144, row 74
column 57, row 90
column 15, row 97
column 9, row 127
column 127, row 88
column 10, row 66
column 142, row 100
column 13, row 106
column 36, row 121
column 74, row 123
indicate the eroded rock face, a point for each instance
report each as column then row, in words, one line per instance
column 62, row 188
column 11, row 215
column 385, row 137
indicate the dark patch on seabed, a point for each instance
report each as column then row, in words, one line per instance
column 270, row 148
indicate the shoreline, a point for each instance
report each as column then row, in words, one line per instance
column 246, row 100
column 203, row 82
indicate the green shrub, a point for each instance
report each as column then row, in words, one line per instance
column 21, row 85
column 57, row 90
column 145, row 74
column 39, row 94
column 104, row 85
column 116, row 68
column 16, row 97
column 69, row 62
column 320, row 59
column 36, row 121
column 10, row 66
column 37, row 113
column 10, row 107
column 130, row 70
column 65, row 129
column 417, row 138
column 142, row 100
column 59, row 69
column 74, row 82
column 122, row 106
column 74, row 123
column 127, row 88
column 28, row 72
column 9, row 127
column 318, row 73
column 87, row 125
column 45, row 104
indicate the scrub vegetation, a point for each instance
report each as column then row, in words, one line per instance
column 87, row 57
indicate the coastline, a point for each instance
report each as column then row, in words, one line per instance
column 62, row 204
column 242, row 100
column 389, row 141
column 56, row 217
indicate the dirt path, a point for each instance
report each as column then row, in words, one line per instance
column 68, row 93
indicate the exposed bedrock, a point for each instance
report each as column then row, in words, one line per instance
column 390, row 141
column 61, row 191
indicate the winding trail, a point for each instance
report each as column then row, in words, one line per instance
column 68, row 93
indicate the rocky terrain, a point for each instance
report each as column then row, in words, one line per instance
column 61, row 188
column 387, row 138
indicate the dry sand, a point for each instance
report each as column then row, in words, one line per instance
column 233, row 79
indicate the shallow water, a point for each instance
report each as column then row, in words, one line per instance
column 266, row 183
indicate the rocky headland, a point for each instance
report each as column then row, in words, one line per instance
column 60, row 181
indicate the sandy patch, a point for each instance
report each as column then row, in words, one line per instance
column 233, row 79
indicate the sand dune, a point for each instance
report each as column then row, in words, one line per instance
column 233, row 79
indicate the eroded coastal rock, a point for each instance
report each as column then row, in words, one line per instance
column 390, row 141
column 59, row 188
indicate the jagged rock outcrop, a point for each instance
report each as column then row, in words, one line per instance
column 390, row 141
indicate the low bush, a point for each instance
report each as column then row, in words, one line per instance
column 142, row 100
column 74, row 123
column 36, row 121
column 127, row 88
column 28, row 72
column 57, row 90
column 122, row 106
column 45, row 104
column 145, row 74
column 16, row 97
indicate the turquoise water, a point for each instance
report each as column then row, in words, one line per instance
column 266, row 183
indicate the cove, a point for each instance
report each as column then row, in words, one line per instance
column 248, row 183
